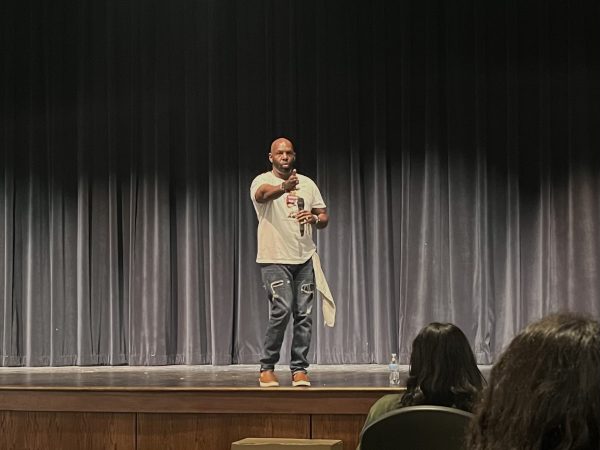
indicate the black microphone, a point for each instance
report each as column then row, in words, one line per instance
column 300, row 208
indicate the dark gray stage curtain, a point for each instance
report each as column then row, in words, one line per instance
column 456, row 145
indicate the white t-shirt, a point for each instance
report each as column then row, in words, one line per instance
column 278, row 233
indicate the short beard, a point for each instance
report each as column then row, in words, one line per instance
column 284, row 171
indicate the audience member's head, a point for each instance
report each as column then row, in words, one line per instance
column 544, row 392
column 443, row 370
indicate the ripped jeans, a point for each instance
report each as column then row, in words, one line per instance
column 290, row 289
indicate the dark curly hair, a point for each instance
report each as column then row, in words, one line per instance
column 544, row 392
column 443, row 370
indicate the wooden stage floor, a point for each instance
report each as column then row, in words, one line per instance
column 182, row 407
column 189, row 377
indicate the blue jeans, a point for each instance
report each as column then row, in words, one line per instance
column 290, row 288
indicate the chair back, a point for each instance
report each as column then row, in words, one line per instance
column 423, row 427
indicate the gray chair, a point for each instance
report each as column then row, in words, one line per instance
column 424, row 427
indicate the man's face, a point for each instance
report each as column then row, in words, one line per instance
column 282, row 157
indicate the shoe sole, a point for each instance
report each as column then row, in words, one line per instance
column 300, row 383
column 268, row 384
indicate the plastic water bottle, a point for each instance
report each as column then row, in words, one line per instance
column 394, row 371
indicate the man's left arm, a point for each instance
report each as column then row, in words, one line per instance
column 316, row 216
column 320, row 218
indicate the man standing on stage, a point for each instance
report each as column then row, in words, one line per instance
column 288, row 205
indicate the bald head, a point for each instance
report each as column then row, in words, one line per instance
column 281, row 143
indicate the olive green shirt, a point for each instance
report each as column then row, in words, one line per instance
column 385, row 404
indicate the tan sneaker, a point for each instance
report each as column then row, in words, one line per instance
column 268, row 379
column 300, row 379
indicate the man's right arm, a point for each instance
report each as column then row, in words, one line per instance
column 268, row 192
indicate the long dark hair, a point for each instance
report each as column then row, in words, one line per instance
column 443, row 370
column 544, row 392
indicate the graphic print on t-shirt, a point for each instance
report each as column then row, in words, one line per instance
column 291, row 201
